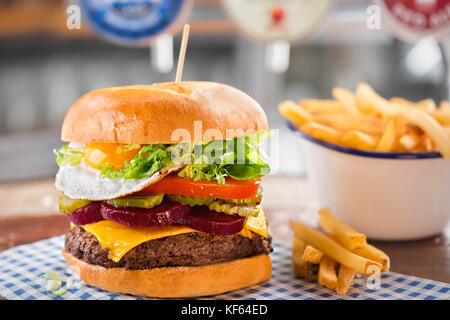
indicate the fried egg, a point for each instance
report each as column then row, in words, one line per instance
column 83, row 182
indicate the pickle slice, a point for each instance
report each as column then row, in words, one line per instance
column 146, row 202
column 68, row 205
column 191, row 200
column 228, row 208
column 245, row 202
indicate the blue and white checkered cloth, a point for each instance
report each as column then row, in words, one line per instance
column 22, row 267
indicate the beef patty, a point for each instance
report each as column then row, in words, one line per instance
column 189, row 249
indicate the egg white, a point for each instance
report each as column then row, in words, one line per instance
column 83, row 182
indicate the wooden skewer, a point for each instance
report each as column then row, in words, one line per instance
column 184, row 41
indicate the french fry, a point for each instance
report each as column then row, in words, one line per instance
column 365, row 120
column 347, row 122
column 327, row 273
column 344, row 234
column 300, row 266
column 366, row 99
column 294, row 112
column 447, row 130
column 347, row 98
column 427, row 105
column 369, row 101
column 387, row 141
column 411, row 128
column 442, row 116
column 322, row 132
column 359, row 140
column 316, row 256
column 372, row 253
column 444, row 106
column 312, row 255
column 334, row 250
column 409, row 141
column 428, row 144
column 344, row 280
column 429, row 125
column 402, row 101
column 325, row 106
column 369, row 252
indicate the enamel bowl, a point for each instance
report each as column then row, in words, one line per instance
column 387, row 196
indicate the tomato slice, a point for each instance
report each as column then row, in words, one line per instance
column 232, row 189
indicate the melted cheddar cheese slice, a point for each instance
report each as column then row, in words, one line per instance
column 120, row 239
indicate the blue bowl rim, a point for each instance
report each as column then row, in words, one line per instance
column 369, row 154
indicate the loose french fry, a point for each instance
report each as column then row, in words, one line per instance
column 312, row 255
column 327, row 273
column 409, row 141
column 344, row 234
column 321, row 132
column 372, row 253
column 300, row 265
column 347, row 98
column 369, row 252
column 359, row 140
column 325, row 106
column 300, row 269
column 344, row 280
column 294, row 112
column 334, row 250
column 387, row 141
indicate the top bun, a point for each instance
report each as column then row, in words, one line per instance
column 149, row 114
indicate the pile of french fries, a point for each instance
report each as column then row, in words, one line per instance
column 335, row 257
column 364, row 120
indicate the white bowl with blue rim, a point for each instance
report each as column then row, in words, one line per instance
column 387, row 196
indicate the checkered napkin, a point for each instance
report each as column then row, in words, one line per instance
column 22, row 268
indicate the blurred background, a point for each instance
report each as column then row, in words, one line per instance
column 45, row 67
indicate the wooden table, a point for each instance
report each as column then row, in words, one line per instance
column 28, row 213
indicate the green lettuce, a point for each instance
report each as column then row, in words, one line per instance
column 238, row 158
column 150, row 159
column 68, row 156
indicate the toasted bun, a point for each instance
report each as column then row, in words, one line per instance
column 175, row 282
column 147, row 114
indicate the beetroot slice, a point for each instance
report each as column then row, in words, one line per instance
column 86, row 215
column 205, row 220
column 166, row 213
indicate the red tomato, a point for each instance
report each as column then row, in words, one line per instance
column 232, row 189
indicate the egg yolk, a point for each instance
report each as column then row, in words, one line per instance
column 112, row 154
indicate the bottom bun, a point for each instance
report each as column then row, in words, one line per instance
column 175, row 282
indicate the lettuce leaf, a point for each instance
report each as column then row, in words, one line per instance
column 150, row 159
column 68, row 156
column 238, row 158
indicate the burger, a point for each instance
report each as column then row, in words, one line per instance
column 161, row 184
